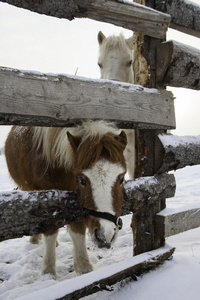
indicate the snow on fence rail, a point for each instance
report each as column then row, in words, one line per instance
column 28, row 213
column 29, row 98
column 184, row 15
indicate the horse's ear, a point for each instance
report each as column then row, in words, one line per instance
column 100, row 37
column 123, row 138
column 130, row 42
column 74, row 141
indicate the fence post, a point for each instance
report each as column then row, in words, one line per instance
column 145, row 232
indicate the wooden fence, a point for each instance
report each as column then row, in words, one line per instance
column 44, row 100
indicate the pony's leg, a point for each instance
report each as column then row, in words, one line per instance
column 129, row 152
column 49, row 259
column 82, row 262
column 35, row 239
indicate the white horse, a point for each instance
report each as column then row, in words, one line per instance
column 116, row 63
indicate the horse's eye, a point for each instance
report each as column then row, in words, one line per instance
column 100, row 65
column 121, row 181
column 129, row 63
column 83, row 182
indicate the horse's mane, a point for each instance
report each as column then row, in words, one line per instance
column 114, row 42
column 56, row 149
column 108, row 146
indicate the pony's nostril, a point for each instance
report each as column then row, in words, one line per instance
column 101, row 239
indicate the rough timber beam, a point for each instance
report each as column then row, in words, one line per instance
column 47, row 100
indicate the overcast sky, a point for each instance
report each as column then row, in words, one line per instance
column 30, row 41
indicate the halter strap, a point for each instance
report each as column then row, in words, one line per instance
column 104, row 215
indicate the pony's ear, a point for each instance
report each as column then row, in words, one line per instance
column 100, row 37
column 74, row 141
column 123, row 138
column 130, row 42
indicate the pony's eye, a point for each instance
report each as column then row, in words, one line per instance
column 100, row 65
column 129, row 63
column 83, row 182
column 121, row 181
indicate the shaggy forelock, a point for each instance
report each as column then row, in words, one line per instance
column 114, row 42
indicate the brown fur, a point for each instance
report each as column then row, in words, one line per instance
column 42, row 159
column 30, row 170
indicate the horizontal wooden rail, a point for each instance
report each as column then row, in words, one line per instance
column 184, row 15
column 176, row 152
column 129, row 15
column 59, row 100
column 177, row 222
column 104, row 278
column 178, row 65
column 23, row 213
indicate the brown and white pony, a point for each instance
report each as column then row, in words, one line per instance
column 116, row 63
column 87, row 159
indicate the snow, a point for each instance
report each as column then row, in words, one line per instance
column 122, row 86
column 175, row 141
column 20, row 261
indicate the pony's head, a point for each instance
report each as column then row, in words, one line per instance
column 116, row 57
column 99, row 169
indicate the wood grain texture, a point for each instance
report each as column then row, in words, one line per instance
column 178, row 65
column 177, row 152
column 47, row 100
column 178, row 222
column 184, row 15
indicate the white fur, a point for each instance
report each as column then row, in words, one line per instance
column 102, row 177
column 82, row 262
column 114, row 54
column 49, row 259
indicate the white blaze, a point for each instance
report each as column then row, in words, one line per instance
column 102, row 177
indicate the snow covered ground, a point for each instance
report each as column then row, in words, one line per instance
column 20, row 261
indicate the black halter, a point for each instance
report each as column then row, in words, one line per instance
column 104, row 215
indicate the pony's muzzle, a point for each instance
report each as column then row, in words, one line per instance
column 104, row 239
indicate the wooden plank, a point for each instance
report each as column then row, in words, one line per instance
column 49, row 100
column 177, row 152
column 178, row 65
column 184, row 15
column 104, row 278
column 121, row 13
column 175, row 223
column 28, row 213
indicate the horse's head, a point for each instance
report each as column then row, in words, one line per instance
column 99, row 170
column 116, row 57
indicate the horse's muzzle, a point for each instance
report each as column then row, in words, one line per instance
column 101, row 240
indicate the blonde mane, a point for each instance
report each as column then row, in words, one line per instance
column 55, row 145
column 114, row 42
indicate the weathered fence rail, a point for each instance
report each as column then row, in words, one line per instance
column 171, row 223
column 184, row 15
column 177, row 152
column 178, row 65
column 28, row 213
column 48, row 100
column 94, row 282
column 121, row 13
